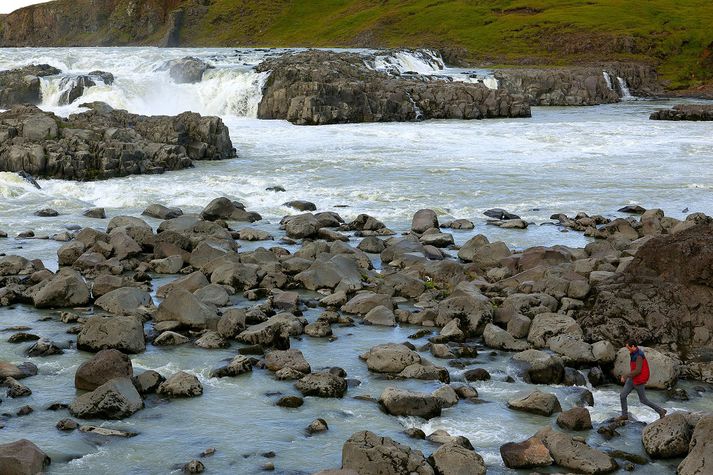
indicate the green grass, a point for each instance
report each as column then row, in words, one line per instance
column 677, row 35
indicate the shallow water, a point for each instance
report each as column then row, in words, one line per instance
column 561, row 160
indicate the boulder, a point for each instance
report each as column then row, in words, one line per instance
column 425, row 372
column 115, row 399
column 323, row 384
column 538, row 367
column 22, row 457
column 302, row 226
column 380, row 315
column 668, row 437
column 24, row 370
column 102, row 367
column 124, row 301
column 169, row 338
column 663, row 369
column 225, row 209
column 530, row 453
column 238, row 365
column 22, row 85
column 182, row 306
column 273, row 331
column 546, row 325
column 363, row 303
column 162, row 212
column 577, row 418
column 365, row 452
column 401, row 402
column 125, row 334
column 181, row 385
column 700, row 455
column 496, row 337
column 424, row 220
column 536, row 402
column 467, row 304
column 277, row 360
column 575, row 455
column 148, row 382
column 390, row 358
column 187, row 70
column 454, row 459
column 211, row 340
column 65, row 289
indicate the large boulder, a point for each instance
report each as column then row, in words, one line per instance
column 467, row 304
column 125, row 334
column 22, row 85
column 546, row 325
column 496, row 337
column 529, row 453
column 668, row 437
column 401, row 402
column 275, row 330
column 538, row 367
column 323, row 384
column 454, row 459
column 182, row 306
column 124, row 301
column 700, row 455
column 366, row 452
column 663, row 370
column 293, row 359
column 102, row 367
column 181, row 385
column 423, row 220
column 536, row 402
column 65, row 289
column 187, row 70
column 575, row 455
column 22, row 457
column 115, row 399
column 390, row 358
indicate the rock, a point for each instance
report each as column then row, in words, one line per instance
column 301, row 205
column 322, row 384
column 316, row 426
column 65, row 289
column 372, row 245
column 194, row 466
column 187, row 70
column 22, row 456
column 446, row 396
column 538, row 367
column 290, row 401
column 24, row 370
column 575, row 455
column 365, row 452
column 182, row 306
column 277, row 360
column 668, row 437
column 573, row 377
column 124, row 301
column 476, row 374
column 125, row 334
column 496, row 337
column 148, row 382
column 22, row 85
column 273, row 331
column 97, row 213
column 469, row 306
column 44, row 348
column 169, row 338
column 546, row 325
column 115, row 399
column 698, row 460
column 695, row 112
column 425, row 372
column 663, row 369
column 22, row 337
column 238, row 365
column 225, row 209
column 232, row 323
column 573, row 350
column 380, row 315
column 390, row 358
column 536, row 402
column 180, row 385
column 453, row 459
column 46, row 213
column 67, row 425
column 252, row 234
column 162, row 212
column 363, row 303
column 102, row 367
column 400, row 402
column 211, row 340
column 577, row 418
column 167, row 265
column 530, row 453
column 318, row 329
column 16, row 389
column 85, row 146
column 500, row 214
column 424, row 220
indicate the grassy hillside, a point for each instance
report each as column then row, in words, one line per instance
column 677, row 34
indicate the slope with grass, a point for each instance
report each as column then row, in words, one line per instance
column 675, row 35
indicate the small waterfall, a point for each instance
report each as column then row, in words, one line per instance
column 422, row 61
column 417, row 110
column 624, row 89
column 490, row 82
column 607, row 78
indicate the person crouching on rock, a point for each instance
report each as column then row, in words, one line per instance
column 637, row 379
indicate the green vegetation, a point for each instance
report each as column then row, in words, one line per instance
column 677, row 35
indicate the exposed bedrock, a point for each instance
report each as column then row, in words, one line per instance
column 105, row 143
column 322, row 87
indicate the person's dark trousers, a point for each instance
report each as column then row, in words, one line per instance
column 628, row 387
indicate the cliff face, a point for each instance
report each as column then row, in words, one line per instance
column 88, row 23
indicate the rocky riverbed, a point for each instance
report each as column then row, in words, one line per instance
column 328, row 319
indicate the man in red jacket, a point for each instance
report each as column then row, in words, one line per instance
column 636, row 379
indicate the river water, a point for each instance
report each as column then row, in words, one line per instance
column 594, row 159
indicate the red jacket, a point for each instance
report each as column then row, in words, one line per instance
column 643, row 377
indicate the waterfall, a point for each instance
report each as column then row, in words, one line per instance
column 422, row 61
column 624, row 88
column 607, row 78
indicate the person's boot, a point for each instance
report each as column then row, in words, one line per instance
column 662, row 413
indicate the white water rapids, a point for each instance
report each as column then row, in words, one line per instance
column 567, row 160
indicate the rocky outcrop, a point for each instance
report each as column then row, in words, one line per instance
column 580, row 86
column 321, row 87
column 22, row 86
column 694, row 112
column 105, row 143
column 700, row 455
column 662, row 299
